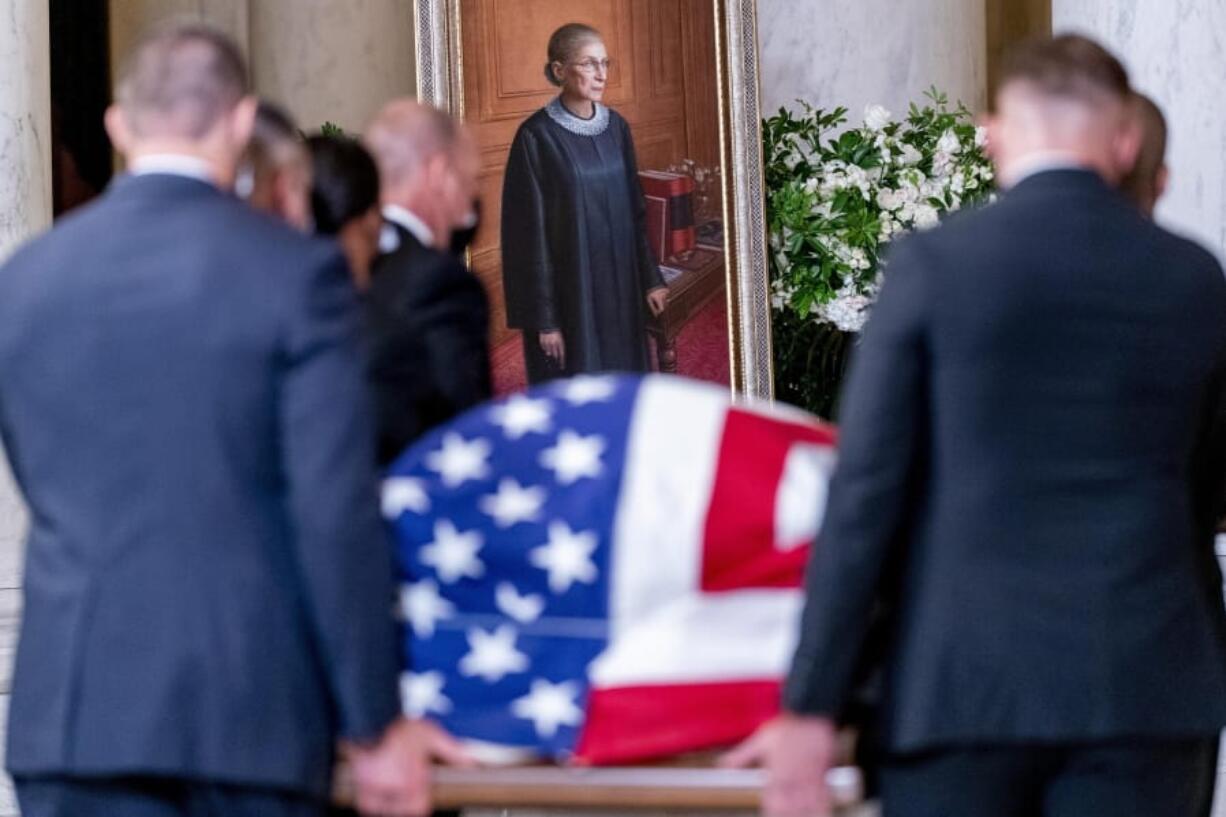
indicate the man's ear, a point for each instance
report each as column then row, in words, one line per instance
column 1161, row 182
column 1127, row 146
column 242, row 120
column 116, row 124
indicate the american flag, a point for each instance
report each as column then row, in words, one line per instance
column 605, row 569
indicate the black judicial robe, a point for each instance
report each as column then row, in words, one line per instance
column 575, row 253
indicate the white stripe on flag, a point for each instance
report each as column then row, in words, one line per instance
column 671, row 457
column 746, row 635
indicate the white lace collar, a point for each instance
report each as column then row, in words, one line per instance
column 595, row 126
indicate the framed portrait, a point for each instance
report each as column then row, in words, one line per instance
column 570, row 291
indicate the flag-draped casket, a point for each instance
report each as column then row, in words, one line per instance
column 605, row 569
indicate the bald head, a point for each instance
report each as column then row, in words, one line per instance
column 428, row 165
column 405, row 136
column 180, row 81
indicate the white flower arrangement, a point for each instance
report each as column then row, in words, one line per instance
column 838, row 195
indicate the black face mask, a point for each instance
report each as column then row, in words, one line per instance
column 462, row 238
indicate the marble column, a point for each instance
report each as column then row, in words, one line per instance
column 1174, row 51
column 25, row 122
column 25, row 209
column 332, row 60
column 867, row 52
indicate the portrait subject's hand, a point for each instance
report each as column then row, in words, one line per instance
column 657, row 299
column 554, row 347
column 797, row 751
column 392, row 778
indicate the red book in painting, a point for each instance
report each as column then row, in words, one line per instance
column 670, row 212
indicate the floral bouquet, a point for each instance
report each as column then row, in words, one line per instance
column 837, row 196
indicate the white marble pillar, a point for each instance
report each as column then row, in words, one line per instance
column 884, row 52
column 332, row 60
column 25, row 209
column 1173, row 50
column 25, row 122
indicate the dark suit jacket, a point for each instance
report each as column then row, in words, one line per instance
column 1032, row 442
column 429, row 320
column 208, row 585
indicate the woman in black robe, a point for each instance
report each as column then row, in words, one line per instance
column 578, row 271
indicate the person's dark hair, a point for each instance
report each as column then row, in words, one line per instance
column 565, row 43
column 1069, row 66
column 1142, row 183
column 345, row 182
column 275, row 139
column 180, row 79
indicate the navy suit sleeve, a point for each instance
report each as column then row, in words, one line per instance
column 343, row 554
column 880, row 450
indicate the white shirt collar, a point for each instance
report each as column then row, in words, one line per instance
column 173, row 164
column 1042, row 162
column 408, row 220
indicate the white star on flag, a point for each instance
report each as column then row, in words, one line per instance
column 522, row 415
column 452, row 554
column 422, row 694
column 574, row 457
column 549, row 706
column 460, row 460
column 423, row 607
column 513, row 504
column 579, row 391
column 402, row 494
column 566, row 557
column 524, row 609
column 492, row 656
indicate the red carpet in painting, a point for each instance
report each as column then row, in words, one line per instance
column 702, row 352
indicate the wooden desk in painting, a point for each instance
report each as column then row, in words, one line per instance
column 694, row 280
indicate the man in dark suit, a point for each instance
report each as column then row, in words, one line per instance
column 1031, row 468
column 428, row 313
column 208, row 587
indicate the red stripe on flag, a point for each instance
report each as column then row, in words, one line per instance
column 739, row 545
column 627, row 724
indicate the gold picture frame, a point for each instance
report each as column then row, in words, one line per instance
column 440, row 81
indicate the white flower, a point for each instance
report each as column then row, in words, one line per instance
column 910, row 155
column 958, row 183
column 949, row 143
column 888, row 199
column 981, row 137
column 811, row 185
column 942, row 163
column 926, row 217
column 876, row 117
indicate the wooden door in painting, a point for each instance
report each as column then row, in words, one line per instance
column 663, row 82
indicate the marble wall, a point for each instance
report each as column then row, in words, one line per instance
column 25, row 208
column 324, row 60
column 332, row 60
column 25, row 122
column 866, row 52
column 130, row 18
column 1176, row 52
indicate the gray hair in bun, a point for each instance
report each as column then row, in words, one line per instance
column 565, row 43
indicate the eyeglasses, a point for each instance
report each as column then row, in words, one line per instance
column 591, row 66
